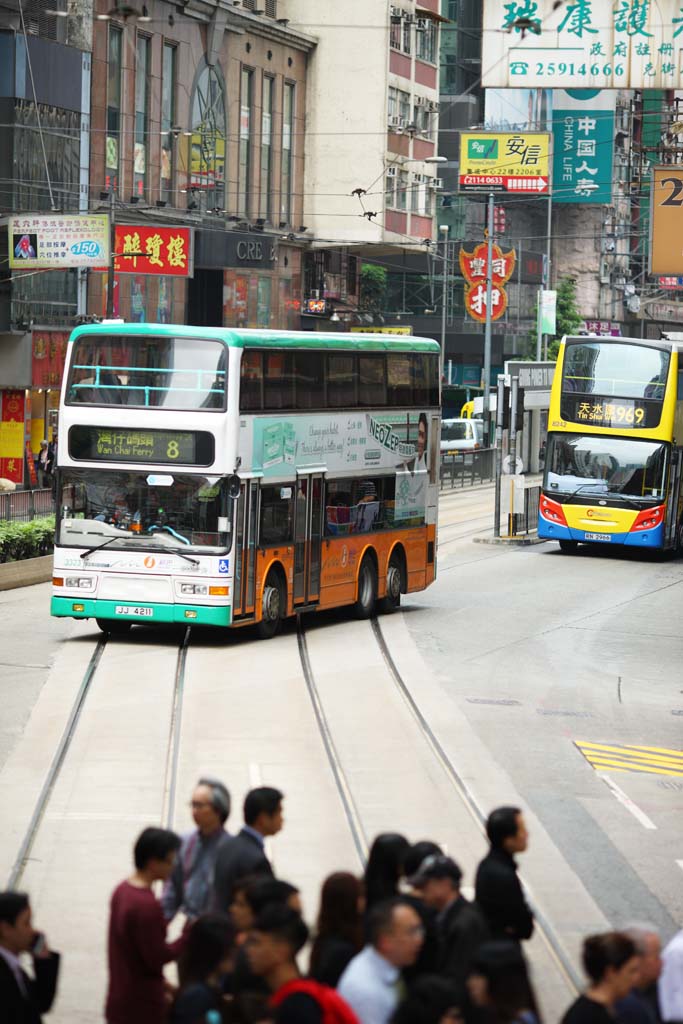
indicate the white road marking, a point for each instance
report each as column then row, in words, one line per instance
column 639, row 815
column 255, row 777
column 680, row 864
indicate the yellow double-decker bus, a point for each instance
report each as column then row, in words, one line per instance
column 615, row 431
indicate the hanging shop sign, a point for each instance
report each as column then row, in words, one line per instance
column 152, row 249
column 49, row 354
column 12, row 410
column 583, row 145
column 666, row 220
column 54, row 242
column 599, row 44
column 512, row 162
column 473, row 266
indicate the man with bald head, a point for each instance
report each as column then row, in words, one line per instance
column 641, row 1005
column 189, row 887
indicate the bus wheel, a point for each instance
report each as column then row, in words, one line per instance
column 115, row 627
column 272, row 607
column 367, row 589
column 395, row 584
column 568, row 547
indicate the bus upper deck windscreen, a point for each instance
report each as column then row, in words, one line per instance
column 613, row 385
column 148, row 371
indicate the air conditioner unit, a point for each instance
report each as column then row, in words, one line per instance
column 395, row 13
column 433, row 105
column 421, row 24
column 420, row 101
column 605, row 267
column 395, row 121
column 315, row 293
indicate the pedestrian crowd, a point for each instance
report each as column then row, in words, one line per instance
column 400, row 945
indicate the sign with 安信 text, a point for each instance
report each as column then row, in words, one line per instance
column 600, row 44
column 507, row 162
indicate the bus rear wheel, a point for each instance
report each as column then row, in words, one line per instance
column 114, row 627
column 395, row 585
column 568, row 547
column 367, row 589
column 273, row 603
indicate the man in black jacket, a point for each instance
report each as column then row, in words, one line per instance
column 461, row 924
column 245, row 853
column 498, row 889
column 24, row 999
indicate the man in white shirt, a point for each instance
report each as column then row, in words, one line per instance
column 670, row 985
column 372, row 984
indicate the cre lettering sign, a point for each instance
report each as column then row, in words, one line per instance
column 598, row 44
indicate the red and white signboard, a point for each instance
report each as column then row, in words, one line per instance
column 474, row 267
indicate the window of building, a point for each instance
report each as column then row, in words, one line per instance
column 208, row 147
column 276, row 515
column 402, row 193
column 266, row 147
column 427, row 40
column 422, row 117
column 287, row 146
column 113, row 144
column 351, row 275
column 390, row 186
column 168, row 82
column 392, row 105
column 407, row 26
column 404, row 106
column 61, row 135
column 141, row 147
column 244, row 173
column 395, row 29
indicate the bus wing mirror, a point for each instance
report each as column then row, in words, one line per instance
column 234, row 484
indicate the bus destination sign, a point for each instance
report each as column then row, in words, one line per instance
column 611, row 412
column 118, row 444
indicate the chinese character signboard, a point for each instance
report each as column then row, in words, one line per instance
column 12, row 435
column 583, row 134
column 505, row 162
column 49, row 353
column 666, row 220
column 473, row 267
column 605, row 328
column 600, row 44
column 150, row 249
column 674, row 284
column 49, row 241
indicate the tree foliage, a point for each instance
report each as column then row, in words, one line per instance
column 568, row 319
column 373, row 287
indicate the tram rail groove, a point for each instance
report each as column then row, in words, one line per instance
column 350, row 810
column 55, row 767
column 550, row 937
column 173, row 755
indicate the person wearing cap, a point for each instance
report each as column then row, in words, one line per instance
column 190, row 885
column 461, row 925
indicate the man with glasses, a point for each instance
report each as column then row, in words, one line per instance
column 189, row 887
column 372, row 984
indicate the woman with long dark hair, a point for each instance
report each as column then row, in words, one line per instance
column 339, row 931
column 385, row 867
column 610, row 960
column 206, row 957
column 498, row 984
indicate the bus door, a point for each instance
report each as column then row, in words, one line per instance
column 308, row 526
column 245, row 548
column 673, row 497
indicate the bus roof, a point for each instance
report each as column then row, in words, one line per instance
column 667, row 343
column 238, row 338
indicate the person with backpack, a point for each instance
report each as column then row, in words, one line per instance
column 278, row 935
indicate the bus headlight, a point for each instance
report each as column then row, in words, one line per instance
column 189, row 589
column 80, row 582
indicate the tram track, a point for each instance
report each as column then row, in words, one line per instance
column 350, row 797
column 71, row 734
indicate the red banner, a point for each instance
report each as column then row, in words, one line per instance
column 12, row 436
column 474, row 267
column 150, row 249
column 49, row 353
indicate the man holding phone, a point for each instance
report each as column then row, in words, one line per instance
column 24, row 999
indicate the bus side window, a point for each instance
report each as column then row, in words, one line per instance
column 400, row 390
column 251, row 380
column 342, row 379
column 279, row 380
column 276, row 515
column 309, row 376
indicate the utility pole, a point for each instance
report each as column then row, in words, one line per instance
column 443, row 230
column 487, row 329
column 112, row 251
column 500, row 413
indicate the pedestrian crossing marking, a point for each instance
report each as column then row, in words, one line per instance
column 632, row 758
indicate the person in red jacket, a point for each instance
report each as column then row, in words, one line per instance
column 138, row 949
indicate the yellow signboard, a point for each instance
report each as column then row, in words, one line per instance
column 381, row 330
column 666, row 243
column 508, row 162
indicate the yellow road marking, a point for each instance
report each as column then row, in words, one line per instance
column 632, row 758
column 656, row 753
column 662, row 750
column 627, row 766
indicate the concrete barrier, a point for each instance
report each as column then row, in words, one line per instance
column 26, row 572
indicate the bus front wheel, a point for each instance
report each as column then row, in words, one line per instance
column 568, row 547
column 273, row 605
column 115, row 627
column 367, row 589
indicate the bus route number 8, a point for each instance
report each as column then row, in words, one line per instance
column 172, row 450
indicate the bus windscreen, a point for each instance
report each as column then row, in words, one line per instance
column 613, row 385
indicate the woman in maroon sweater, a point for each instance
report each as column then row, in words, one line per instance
column 137, row 935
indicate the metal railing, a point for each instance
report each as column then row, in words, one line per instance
column 23, row 506
column 465, row 469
